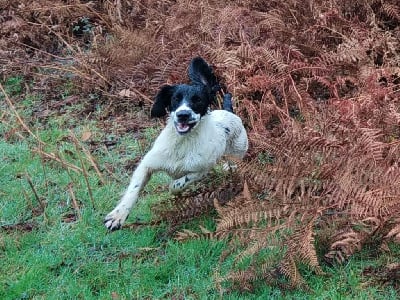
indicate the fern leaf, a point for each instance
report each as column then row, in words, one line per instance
column 302, row 247
column 349, row 241
column 288, row 268
column 393, row 234
column 186, row 235
column 391, row 10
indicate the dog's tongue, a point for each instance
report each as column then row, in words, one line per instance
column 182, row 127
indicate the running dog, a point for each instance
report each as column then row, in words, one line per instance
column 192, row 142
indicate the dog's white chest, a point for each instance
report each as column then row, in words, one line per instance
column 195, row 152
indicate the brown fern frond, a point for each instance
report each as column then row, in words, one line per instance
column 186, row 235
column 301, row 246
column 271, row 19
column 266, row 271
column 192, row 203
column 242, row 279
column 289, row 269
column 254, row 173
column 391, row 10
column 245, row 52
column 251, row 213
column 256, row 241
column 275, row 60
column 394, row 233
column 351, row 240
column 189, row 234
column 384, row 275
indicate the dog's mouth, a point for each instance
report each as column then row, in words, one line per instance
column 184, row 127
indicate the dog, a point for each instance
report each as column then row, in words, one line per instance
column 193, row 140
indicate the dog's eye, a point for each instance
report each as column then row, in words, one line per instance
column 177, row 97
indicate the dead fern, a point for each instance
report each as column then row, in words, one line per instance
column 316, row 84
column 197, row 201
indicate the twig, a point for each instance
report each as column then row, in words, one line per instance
column 42, row 51
column 89, row 157
column 52, row 156
column 73, row 51
column 41, row 203
column 110, row 172
column 85, row 174
column 74, row 202
column 135, row 225
column 93, row 163
column 298, row 94
column 38, row 199
column 13, row 109
column 88, row 6
column 42, row 8
column 43, row 168
column 63, row 164
column 28, row 200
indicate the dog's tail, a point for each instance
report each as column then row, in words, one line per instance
column 227, row 102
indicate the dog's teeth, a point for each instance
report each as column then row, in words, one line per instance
column 182, row 127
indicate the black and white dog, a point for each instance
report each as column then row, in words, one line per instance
column 193, row 140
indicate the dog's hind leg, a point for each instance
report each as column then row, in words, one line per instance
column 181, row 183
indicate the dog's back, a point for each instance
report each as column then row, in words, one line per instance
column 230, row 125
column 237, row 143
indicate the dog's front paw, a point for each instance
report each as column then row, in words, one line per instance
column 115, row 219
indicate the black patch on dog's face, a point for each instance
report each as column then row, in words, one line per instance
column 188, row 104
column 195, row 98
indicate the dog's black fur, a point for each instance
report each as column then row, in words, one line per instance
column 200, row 94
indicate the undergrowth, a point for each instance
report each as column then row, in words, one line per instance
column 54, row 195
column 316, row 84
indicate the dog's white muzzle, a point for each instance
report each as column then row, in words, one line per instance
column 185, row 119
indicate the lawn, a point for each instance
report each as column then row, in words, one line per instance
column 53, row 244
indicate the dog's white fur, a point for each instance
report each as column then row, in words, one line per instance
column 186, row 158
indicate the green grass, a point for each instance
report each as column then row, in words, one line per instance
column 64, row 259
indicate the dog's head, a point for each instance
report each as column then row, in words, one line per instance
column 187, row 103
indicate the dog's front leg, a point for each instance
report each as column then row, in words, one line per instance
column 181, row 183
column 118, row 215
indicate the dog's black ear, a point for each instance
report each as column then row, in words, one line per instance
column 162, row 101
column 201, row 73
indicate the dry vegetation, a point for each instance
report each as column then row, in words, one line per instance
column 317, row 84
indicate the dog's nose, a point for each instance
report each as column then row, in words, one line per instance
column 183, row 115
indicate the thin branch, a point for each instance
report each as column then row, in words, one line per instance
column 85, row 174
column 89, row 157
column 16, row 114
column 52, row 156
column 28, row 178
column 74, row 202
